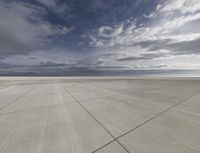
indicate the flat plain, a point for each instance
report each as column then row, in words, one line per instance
column 99, row 115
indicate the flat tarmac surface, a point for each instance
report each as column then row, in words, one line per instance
column 99, row 115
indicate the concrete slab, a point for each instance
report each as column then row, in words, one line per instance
column 12, row 93
column 167, row 96
column 112, row 148
column 40, row 96
column 191, row 106
column 165, row 92
column 54, row 129
column 83, row 94
column 121, row 116
column 85, row 114
column 173, row 132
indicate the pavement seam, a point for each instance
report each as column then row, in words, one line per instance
column 13, row 101
column 158, row 115
column 114, row 139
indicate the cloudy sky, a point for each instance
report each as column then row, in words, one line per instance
column 61, row 36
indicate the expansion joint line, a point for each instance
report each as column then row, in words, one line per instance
column 158, row 115
column 16, row 99
column 154, row 117
column 114, row 139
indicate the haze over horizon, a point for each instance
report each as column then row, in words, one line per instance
column 99, row 37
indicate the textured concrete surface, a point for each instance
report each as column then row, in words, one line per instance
column 102, row 115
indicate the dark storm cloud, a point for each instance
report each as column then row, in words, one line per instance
column 33, row 58
column 176, row 48
column 142, row 57
column 189, row 47
column 51, row 64
column 4, row 65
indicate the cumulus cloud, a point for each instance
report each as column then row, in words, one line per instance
column 23, row 29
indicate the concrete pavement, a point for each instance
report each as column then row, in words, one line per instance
column 102, row 115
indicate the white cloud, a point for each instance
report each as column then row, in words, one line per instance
column 167, row 25
column 184, row 6
column 22, row 28
column 162, row 30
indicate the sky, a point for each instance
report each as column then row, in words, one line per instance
column 67, row 37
